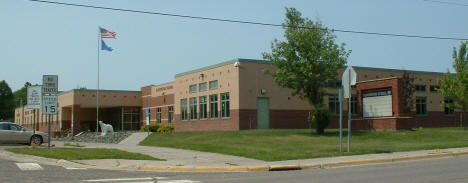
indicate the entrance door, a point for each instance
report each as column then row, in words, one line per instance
column 263, row 113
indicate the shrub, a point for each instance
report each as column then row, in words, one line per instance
column 152, row 127
column 166, row 129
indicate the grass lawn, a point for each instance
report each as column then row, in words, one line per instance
column 82, row 153
column 275, row 144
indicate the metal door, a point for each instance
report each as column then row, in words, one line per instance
column 263, row 113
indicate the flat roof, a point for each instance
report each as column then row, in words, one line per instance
column 222, row 64
column 95, row 90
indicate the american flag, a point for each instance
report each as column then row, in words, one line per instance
column 107, row 34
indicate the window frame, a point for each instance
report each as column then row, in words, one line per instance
column 214, row 104
column 449, row 111
column 203, row 108
column 170, row 114
column 420, row 88
column 211, row 87
column 193, row 108
column 183, row 110
column 200, row 87
column 334, row 99
column 420, row 104
column 193, row 88
column 225, row 105
column 158, row 115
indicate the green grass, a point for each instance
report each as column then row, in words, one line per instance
column 275, row 145
column 82, row 153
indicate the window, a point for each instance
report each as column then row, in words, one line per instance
column 420, row 88
column 15, row 127
column 183, row 109
column 213, row 84
column 202, row 87
column 203, row 112
column 214, row 106
column 3, row 126
column 193, row 88
column 170, row 115
column 193, row 108
column 434, row 88
column 225, row 113
column 158, row 115
column 333, row 104
column 334, row 84
column 421, row 106
column 449, row 107
column 353, row 104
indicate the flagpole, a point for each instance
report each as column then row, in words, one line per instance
column 97, row 91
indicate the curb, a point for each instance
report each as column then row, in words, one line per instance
column 299, row 166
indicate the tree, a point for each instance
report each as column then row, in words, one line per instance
column 21, row 95
column 407, row 92
column 306, row 60
column 455, row 86
column 6, row 101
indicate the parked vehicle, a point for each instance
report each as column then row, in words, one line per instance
column 11, row 133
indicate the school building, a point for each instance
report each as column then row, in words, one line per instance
column 238, row 95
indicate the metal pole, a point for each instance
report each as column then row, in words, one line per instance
column 48, row 138
column 97, row 91
column 349, row 110
column 340, row 95
column 34, row 129
column 122, row 119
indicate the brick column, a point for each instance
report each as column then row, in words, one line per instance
column 75, row 121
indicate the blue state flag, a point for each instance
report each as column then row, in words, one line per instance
column 105, row 47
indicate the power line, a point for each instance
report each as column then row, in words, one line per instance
column 444, row 2
column 249, row 22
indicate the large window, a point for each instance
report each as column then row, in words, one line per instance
column 421, row 106
column 203, row 107
column 434, row 88
column 449, row 107
column 193, row 108
column 193, row 88
column 420, row 88
column 333, row 104
column 213, row 84
column 170, row 115
column 334, row 83
column 214, row 106
column 158, row 115
column 225, row 113
column 183, row 109
column 202, row 87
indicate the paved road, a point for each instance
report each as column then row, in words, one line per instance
column 447, row 170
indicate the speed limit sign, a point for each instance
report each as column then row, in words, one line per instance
column 49, row 94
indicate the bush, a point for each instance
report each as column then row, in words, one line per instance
column 321, row 119
column 152, row 128
column 166, row 129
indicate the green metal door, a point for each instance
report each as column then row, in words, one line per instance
column 263, row 113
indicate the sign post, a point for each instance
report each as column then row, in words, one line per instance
column 49, row 98
column 340, row 96
column 348, row 79
column 34, row 101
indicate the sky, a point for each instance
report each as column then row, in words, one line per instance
column 44, row 39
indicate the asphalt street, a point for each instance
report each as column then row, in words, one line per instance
column 447, row 170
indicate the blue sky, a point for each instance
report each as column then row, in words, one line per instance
column 38, row 39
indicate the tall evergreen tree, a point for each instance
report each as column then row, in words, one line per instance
column 6, row 102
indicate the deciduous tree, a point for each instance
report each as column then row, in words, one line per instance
column 306, row 60
column 455, row 86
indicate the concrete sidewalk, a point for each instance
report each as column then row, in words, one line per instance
column 188, row 160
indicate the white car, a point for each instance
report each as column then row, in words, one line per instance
column 11, row 133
